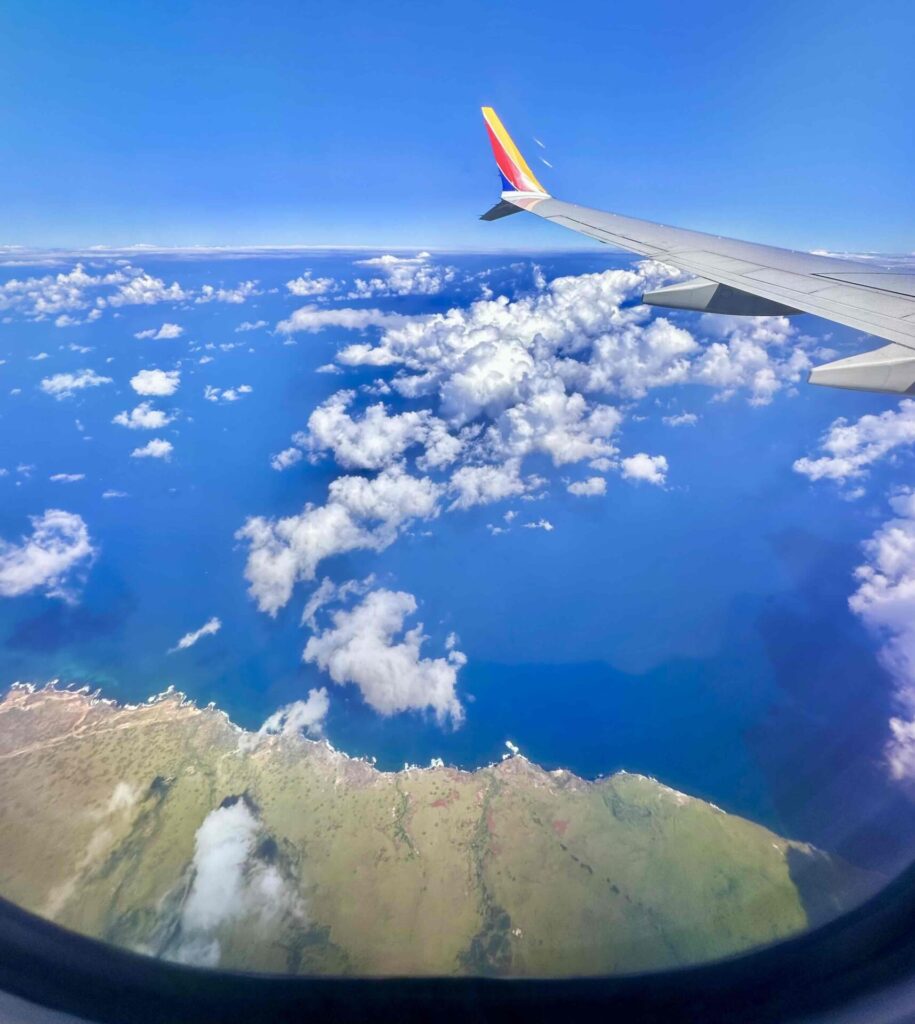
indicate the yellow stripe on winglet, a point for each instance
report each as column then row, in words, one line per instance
column 492, row 119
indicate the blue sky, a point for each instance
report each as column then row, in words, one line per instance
column 236, row 123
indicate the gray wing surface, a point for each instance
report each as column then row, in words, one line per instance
column 746, row 279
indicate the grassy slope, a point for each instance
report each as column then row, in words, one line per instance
column 506, row 870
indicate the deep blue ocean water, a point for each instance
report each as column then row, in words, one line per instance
column 699, row 633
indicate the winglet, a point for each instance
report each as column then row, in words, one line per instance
column 516, row 175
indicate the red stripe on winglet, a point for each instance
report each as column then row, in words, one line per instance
column 503, row 160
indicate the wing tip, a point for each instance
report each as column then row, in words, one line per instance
column 516, row 174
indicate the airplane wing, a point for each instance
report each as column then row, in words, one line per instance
column 742, row 278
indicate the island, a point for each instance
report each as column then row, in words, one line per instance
column 165, row 828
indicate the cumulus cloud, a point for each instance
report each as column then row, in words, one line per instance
column 757, row 354
column 58, row 295
column 328, row 592
column 576, row 329
column 250, row 325
column 210, row 628
column 376, row 439
column 885, row 600
column 359, row 513
column 164, row 333
column 370, row 646
column 651, row 469
column 234, row 296
column 231, row 884
column 145, row 290
column 311, row 319
column 852, row 448
column 300, row 716
column 482, row 485
column 401, row 275
column 78, row 296
column 49, row 559
column 308, row 285
column 480, row 358
column 66, row 478
column 564, row 426
column 160, row 383
column 549, row 373
column 592, row 487
column 286, row 458
column 143, row 417
column 683, row 419
column 154, row 449
column 65, row 385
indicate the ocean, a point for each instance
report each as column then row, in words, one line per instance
column 697, row 631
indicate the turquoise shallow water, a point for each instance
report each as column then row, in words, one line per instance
column 699, row 633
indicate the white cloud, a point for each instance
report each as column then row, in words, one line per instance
column 48, row 559
column 300, row 716
column 230, row 884
column 160, row 383
column 885, row 600
column 576, row 329
column 67, row 478
column 214, row 394
column 374, row 440
column 370, row 646
column 249, row 325
column 481, row 358
column 759, row 354
column 55, row 295
column 651, row 469
column 234, row 296
column 210, row 628
column 401, row 275
column 114, row 494
column 145, row 290
column 286, row 458
column 506, row 379
column 164, row 333
column 852, row 448
column 683, row 419
column 308, row 285
column 482, row 485
column 540, row 524
column 143, row 417
column 359, row 514
column 311, row 319
column 65, row 385
column 592, row 487
column 154, row 449
column 328, row 592
column 40, row 357
column 566, row 427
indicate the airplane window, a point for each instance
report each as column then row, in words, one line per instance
column 397, row 613
column 410, row 568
